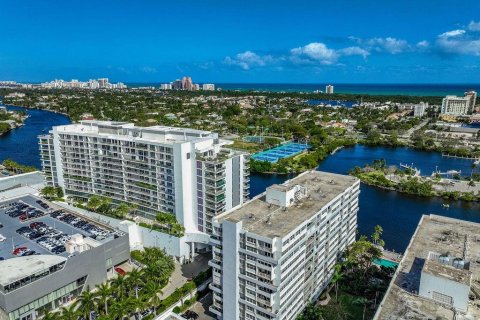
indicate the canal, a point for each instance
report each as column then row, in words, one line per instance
column 397, row 213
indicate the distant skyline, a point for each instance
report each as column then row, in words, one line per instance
column 242, row 41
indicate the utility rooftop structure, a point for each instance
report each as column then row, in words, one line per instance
column 282, row 208
column 182, row 171
column 438, row 275
column 275, row 253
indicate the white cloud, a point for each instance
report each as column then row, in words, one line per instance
column 389, row 44
column 453, row 33
column 474, row 26
column 149, row 70
column 315, row 51
column 423, row 44
column 248, row 59
column 458, row 42
column 352, row 51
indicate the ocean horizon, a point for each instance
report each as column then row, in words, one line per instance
column 420, row 89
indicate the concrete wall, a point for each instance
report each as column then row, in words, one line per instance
column 230, row 283
column 144, row 237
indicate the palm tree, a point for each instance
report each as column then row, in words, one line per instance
column 474, row 166
column 121, row 309
column 94, row 202
column 135, row 277
column 119, row 284
column 87, row 303
column 337, row 276
column 103, row 295
column 363, row 301
column 153, row 291
column 50, row 316
column 69, row 313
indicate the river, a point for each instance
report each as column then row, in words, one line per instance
column 21, row 144
column 397, row 213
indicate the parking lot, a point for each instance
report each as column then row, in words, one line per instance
column 56, row 231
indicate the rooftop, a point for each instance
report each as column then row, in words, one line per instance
column 162, row 134
column 270, row 220
column 21, row 266
column 448, row 237
column 441, row 270
column 14, row 240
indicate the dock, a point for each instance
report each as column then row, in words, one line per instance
column 477, row 159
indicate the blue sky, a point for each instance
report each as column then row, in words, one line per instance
column 423, row 41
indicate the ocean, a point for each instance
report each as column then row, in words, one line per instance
column 370, row 89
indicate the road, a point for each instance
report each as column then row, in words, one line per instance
column 409, row 132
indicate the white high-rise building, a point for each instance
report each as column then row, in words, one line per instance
column 103, row 82
column 166, row 86
column 329, row 89
column 275, row 253
column 208, row 87
column 419, row 109
column 186, row 172
column 457, row 106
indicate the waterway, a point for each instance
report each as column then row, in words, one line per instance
column 21, row 144
column 397, row 213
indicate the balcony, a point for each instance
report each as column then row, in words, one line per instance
column 215, row 264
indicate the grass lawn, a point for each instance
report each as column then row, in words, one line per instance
column 248, row 146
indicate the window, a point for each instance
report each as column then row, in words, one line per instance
column 188, row 155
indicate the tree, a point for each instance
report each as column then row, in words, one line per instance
column 135, row 278
column 87, row 303
column 103, row 296
column 362, row 301
column 311, row 312
column 59, row 192
column 376, row 236
column 48, row 192
column 94, row 202
column 153, row 291
column 361, row 255
column 337, row 276
column 474, row 166
column 69, row 313
column 122, row 210
column 50, row 316
column 373, row 137
column 119, row 286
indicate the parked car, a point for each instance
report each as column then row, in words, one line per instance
column 120, row 271
column 20, row 250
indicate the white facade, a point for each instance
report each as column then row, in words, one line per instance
column 208, row 87
column 329, row 89
column 277, row 252
column 185, row 172
column 166, row 86
column 457, row 106
column 419, row 109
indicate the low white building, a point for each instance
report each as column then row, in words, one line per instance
column 208, row 87
column 419, row 109
column 277, row 252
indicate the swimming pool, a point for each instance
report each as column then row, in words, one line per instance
column 385, row 263
column 282, row 151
